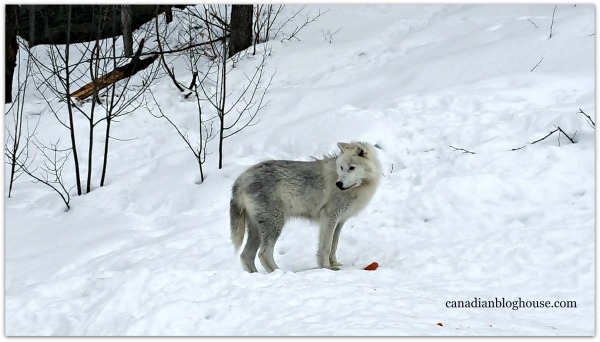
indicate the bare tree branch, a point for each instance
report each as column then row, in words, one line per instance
column 532, row 22
column 590, row 121
column 461, row 149
column 558, row 129
column 306, row 22
column 538, row 63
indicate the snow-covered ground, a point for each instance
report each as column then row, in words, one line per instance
column 150, row 254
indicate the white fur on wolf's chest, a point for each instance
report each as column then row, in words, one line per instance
column 358, row 202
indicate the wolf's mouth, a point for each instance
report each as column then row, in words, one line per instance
column 340, row 186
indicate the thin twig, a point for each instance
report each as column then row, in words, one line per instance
column 532, row 22
column 329, row 35
column 547, row 135
column 185, row 48
column 552, row 24
column 558, row 129
column 462, row 149
column 568, row 137
column 538, row 63
column 307, row 21
column 591, row 122
column 170, row 72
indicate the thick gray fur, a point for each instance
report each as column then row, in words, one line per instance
column 327, row 191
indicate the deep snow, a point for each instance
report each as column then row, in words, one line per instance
column 149, row 253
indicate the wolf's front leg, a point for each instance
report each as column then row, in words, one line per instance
column 326, row 233
column 334, row 244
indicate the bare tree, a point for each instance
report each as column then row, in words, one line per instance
column 230, row 106
column 237, row 109
column 119, row 99
column 223, row 108
column 197, row 139
column 22, row 147
column 221, row 111
column 197, row 146
column 107, row 101
column 265, row 17
column 14, row 130
column 51, row 167
column 67, row 83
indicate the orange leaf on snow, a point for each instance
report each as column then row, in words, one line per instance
column 440, row 324
column 372, row 266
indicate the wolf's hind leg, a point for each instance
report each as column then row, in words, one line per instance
column 270, row 231
column 249, row 253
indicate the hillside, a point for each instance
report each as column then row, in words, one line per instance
column 149, row 253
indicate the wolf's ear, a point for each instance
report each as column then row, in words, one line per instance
column 360, row 151
column 343, row 146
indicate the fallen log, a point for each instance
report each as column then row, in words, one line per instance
column 114, row 76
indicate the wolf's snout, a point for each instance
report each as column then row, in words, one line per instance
column 340, row 185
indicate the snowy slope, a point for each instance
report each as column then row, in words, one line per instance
column 150, row 254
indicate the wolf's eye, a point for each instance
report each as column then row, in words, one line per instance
column 351, row 168
column 342, row 168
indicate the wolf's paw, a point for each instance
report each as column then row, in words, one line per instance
column 335, row 263
column 334, row 268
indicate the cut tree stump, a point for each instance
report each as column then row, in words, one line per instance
column 114, row 76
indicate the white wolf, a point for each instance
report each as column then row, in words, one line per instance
column 328, row 191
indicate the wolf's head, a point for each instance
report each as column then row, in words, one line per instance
column 356, row 165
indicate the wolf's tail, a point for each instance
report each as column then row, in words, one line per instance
column 237, row 216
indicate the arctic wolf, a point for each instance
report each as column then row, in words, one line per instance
column 328, row 191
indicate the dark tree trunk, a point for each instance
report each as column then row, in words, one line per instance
column 168, row 14
column 11, row 49
column 49, row 27
column 127, row 34
column 31, row 39
column 241, row 28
